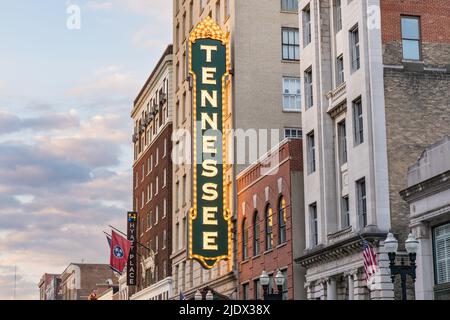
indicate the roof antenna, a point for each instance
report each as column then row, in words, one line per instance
column 15, row 282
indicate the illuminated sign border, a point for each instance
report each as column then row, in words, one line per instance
column 209, row 29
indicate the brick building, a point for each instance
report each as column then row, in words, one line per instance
column 79, row 280
column 271, row 222
column 49, row 287
column 376, row 75
column 152, row 189
column 260, row 98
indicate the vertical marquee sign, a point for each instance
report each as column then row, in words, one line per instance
column 209, row 219
column 131, row 235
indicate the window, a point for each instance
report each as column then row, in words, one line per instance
column 354, row 49
column 191, row 14
column 361, row 205
column 290, row 44
column 311, row 153
column 257, row 289
column 338, row 15
column 245, row 292
column 157, row 157
column 151, row 162
column 314, row 229
column 411, row 38
column 309, row 88
column 149, row 220
column 151, row 190
column 345, row 213
column 218, row 11
column 227, row 8
column 255, row 234
column 143, row 173
column 177, row 195
column 183, row 233
column 156, row 244
column 289, row 5
column 156, row 215
column 306, row 26
column 340, row 70
column 358, row 122
column 164, row 207
column 148, row 193
column 156, row 185
column 184, row 189
column 183, row 26
column 244, row 240
column 342, row 142
column 177, row 40
column 142, row 199
column 291, row 94
column 293, row 133
column 441, row 236
column 285, row 287
column 164, row 239
column 268, row 219
column 164, row 177
column 148, row 166
column 183, row 108
column 282, row 220
column 177, row 236
column 165, row 147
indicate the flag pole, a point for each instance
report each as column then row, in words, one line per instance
column 110, row 236
column 137, row 242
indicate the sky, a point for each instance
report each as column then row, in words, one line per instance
column 67, row 84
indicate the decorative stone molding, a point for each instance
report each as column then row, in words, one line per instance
column 338, row 250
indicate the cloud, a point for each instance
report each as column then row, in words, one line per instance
column 149, row 36
column 157, row 8
column 58, row 191
column 99, row 5
column 10, row 123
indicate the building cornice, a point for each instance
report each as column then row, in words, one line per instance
column 338, row 250
column 427, row 187
column 166, row 57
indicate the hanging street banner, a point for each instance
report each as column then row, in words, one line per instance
column 209, row 221
column 131, row 235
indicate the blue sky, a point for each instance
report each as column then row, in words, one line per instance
column 65, row 128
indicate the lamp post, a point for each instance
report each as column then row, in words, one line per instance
column 411, row 245
column 279, row 281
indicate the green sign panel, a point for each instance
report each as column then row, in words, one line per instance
column 210, row 220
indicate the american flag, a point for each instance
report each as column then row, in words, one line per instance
column 370, row 260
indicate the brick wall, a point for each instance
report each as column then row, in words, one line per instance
column 435, row 32
column 417, row 115
column 148, row 233
column 253, row 183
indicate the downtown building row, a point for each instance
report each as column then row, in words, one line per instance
column 357, row 93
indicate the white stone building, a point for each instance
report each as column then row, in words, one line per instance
column 368, row 69
column 428, row 195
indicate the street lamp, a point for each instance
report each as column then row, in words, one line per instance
column 279, row 281
column 411, row 245
column 209, row 296
column 198, row 295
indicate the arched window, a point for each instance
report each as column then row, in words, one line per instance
column 282, row 220
column 268, row 218
column 255, row 234
column 244, row 240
